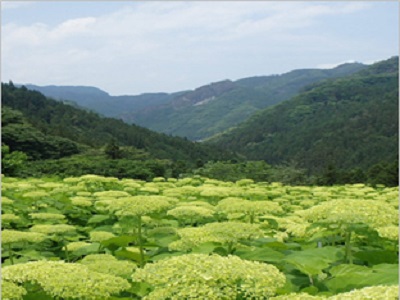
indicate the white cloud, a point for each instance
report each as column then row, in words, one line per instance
column 334, row 65
column 167, row 46
column 8, row 5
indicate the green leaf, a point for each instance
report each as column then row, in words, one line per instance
column 345, row 269
column 344, row 281
column 206, row 248
column 93, row 248
column 120, row 241
column 386, row 268
column 261, row 254
column 98, row 219
column 31, row 254
column 374, row 257
column 140, row 289
column 123, row 253
column 313, row 261
column 311, row 290
column 37, row 296
column 166, row 255
column 165, row 241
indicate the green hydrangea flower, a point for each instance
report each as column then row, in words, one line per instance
column 52, row 229
column 65, row 280
column 299, row 296
column 47, row 216
column 73, row 246
column 112, row 194
column 79, row 201
column 234, row 205
column 6, row 201
column 346, row 211
column 8, row 218
column 228, row 233
column 389, row 232
column 379, row 292
column 106, row 263
column 140, row 205
column 11, row 291
column 36, row 194
column 199, row 276
column 99, row 236
column 14, row 236
column 191, row 213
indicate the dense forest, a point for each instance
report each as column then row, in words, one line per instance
column 57, row 138
column 200, row 113
column 346, row 125
column 336, row 131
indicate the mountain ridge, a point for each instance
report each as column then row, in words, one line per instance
column 345, row 122
column 200, row 113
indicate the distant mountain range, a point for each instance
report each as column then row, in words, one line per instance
column 345, row 118
column 345, row 123
column 201, row 113
column 47, row 129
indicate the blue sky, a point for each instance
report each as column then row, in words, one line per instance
column 135, row 47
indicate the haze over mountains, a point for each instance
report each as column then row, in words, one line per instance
column 201, row 113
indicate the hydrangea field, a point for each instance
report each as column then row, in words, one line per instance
column 94, row 237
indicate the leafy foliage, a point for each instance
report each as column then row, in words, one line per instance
column 44, row 128
column 130, row 239
column 347, row 125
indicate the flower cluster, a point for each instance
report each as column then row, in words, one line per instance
column 224, row 233
column 52, row 229
column 81, row 201
column 11, row 291
column 35, row 194
column 99, row 236
column 238, row 205
column 64, row 280
column 379, row 292
column 140, row 205
column 199, row 276
column 106, row 263
column 191, row 213
column 389, row 232
column 8, row 218
column 47, row 216
column 292, row 224
column 111, row 194
column 6, row 201
column 299, row 296
column 14, row 236
column 73, row 246
column 369, row 212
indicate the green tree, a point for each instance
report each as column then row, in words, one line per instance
column 112, row 150
column 11, row 162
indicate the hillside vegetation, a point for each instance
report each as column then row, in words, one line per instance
column 345, row 123
column 203, row 112
column 46, row 129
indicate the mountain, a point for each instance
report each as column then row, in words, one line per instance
column 100, row 101
column 350, row 122
column 44, row 128
column 203, row 112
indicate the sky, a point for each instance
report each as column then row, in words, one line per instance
column 134, row 47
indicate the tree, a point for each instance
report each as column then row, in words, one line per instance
column 11, row 162
column 112, row 150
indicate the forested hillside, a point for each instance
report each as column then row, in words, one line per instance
column 202, row 112
column 339, row 124
column 46, row 129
